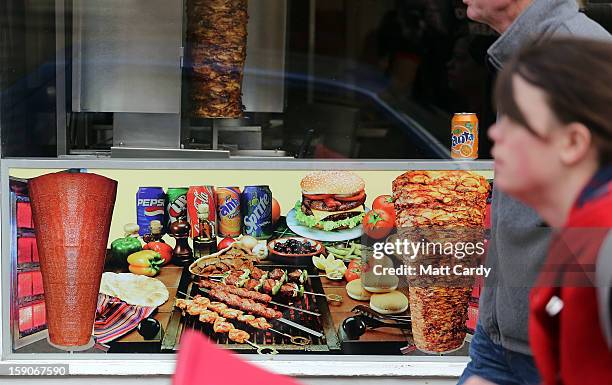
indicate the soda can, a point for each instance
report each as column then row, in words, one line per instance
column 150, row 206
column 228, row 205
column 464, row 136
column 176, row 204
column 202, row 212
column 256, row 204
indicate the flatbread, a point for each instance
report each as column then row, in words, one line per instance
column 134, row 289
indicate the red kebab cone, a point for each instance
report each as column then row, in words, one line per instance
column 72, row 214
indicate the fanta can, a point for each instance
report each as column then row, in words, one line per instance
column 464, row 136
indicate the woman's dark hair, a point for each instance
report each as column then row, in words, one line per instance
column 576, row 76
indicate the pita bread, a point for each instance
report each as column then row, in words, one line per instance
column 134, row 289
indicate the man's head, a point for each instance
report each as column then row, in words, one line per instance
column 498, row 14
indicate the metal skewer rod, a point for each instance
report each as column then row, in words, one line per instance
column 330, row 297
column 296, row 340
column 263, row 349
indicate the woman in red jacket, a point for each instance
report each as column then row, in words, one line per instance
column 553, row 150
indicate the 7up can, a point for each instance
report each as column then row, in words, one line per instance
column 176, row 204
column 256, row 204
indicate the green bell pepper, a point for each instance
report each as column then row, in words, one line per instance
column 121, row 248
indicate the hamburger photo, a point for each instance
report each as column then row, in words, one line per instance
column 331, row 200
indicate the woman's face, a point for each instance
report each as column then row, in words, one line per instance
column 525, row 162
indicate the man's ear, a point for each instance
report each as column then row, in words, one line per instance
column 576, row 143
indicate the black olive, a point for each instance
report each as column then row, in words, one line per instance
column 293, row 246
column 354, row 327
column 148, row 328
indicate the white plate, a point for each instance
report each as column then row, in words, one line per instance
column 320, row 235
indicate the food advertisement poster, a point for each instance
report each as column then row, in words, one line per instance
column 268, row 261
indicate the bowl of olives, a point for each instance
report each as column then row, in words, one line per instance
column 294, row 250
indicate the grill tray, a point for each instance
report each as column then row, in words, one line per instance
column 328, row 343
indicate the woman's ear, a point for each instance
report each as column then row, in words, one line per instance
column 576, row 143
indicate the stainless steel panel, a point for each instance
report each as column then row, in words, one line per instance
column 147, row 130
column 246, row 138
column 60, row 78
column 126, row 55
column 263, row 86
column 167, row 153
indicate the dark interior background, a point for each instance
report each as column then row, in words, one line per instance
column 385, row 78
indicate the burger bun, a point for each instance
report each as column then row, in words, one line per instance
column 394, row 302
column 355, row 290
column 332, row 182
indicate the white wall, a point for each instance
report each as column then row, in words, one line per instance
column 166, row 381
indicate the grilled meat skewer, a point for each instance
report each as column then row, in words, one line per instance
column 256, row 296
column 244, row 304
column 208, row 314
column 198, row 306
column 242, row 292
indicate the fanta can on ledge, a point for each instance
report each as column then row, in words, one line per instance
column 464, row 136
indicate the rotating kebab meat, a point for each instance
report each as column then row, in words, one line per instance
column 217, row 33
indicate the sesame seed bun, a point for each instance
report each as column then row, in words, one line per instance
column 332, row 182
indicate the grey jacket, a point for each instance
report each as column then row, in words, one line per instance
column 519, row 239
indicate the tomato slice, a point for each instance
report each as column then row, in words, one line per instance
column 317, row 197
column 351, row 199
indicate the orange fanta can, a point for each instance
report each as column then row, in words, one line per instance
column 464, row 136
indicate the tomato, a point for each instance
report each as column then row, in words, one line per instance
column 356, row 263
column 276, row 210
column 377, row 224
column 353, row 198
column 225, row 242
column 384, row 202
column 165, row 250
column 352, row 274
column 354, row 269
column 143, row 270
column 317, row 197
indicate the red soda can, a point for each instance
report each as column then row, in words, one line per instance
column 202, row 212
column 228, row 206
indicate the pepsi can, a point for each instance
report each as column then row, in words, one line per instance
column 256, row 204
column 150, row 206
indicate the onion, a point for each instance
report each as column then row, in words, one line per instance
column 347, row 195
column 261, row 250
column 249, row 242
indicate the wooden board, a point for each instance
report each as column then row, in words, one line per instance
column 133, row 342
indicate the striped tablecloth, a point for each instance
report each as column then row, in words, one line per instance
column 115, row 318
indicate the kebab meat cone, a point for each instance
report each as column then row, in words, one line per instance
column 72, row 214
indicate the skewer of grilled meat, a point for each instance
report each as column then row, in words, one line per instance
column 244, row 304
column 242, row 292
column 209, row 316
column 214, row 310
column 252, row 277
column 255, row 295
